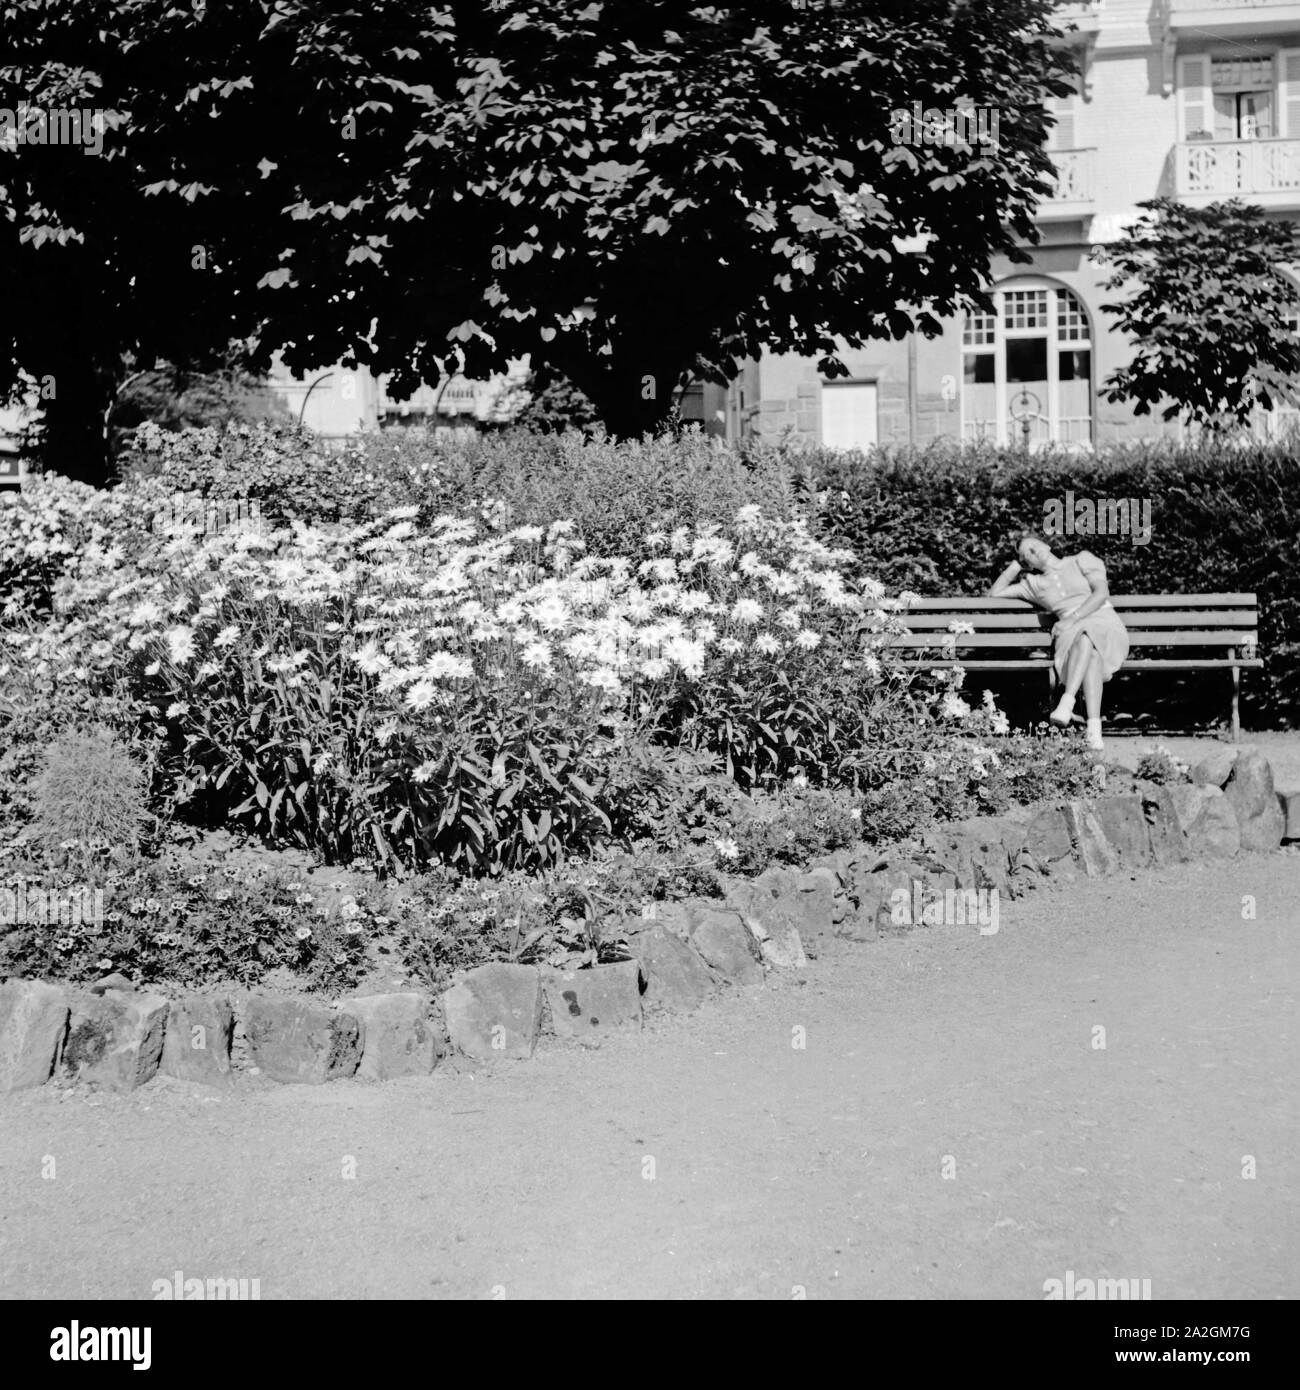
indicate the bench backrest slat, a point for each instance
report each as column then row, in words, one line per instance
column 1013, row 605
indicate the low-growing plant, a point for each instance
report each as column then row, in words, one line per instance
column 793, row 827
column 89, row 798
column 1161, row 766
column 165, row 925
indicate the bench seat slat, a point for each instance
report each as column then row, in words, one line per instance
column 1228, row 617
column 1173, row 663
column 964, row 642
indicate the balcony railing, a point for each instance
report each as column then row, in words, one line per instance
column 1224, row 18
column 1073, row 190
column 459, row 398
column 1083, row 14
column 1266, row 169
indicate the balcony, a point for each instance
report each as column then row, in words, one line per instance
column 1266, row 172
column 460, row 397
column 1083, row 14
column 1232, row 19
column 1073, row 193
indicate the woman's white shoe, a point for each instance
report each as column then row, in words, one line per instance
column 1094, row 736
column 1062, row 714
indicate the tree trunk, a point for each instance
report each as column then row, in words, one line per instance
column 632, row 400
column 76, row 395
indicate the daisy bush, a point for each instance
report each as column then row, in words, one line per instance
column 412, row 690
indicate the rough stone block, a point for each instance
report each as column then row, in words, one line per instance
column 1250, row 793
column 1124, row 824
column 588, row 1003
column 1215, row 767
column 676, row 917
column 399, row 1039
column 196, row 1042
column 975, row 851
column 781, row 947
column 115, row 1040
column 33, row 1025
column 1047, row 836
column 1187, row 802
column 725, row 943
column 676, row 978
column 778, row 903
column 1289, row 803
column 1091, row 849
column 1208, row 820
column 495, row 1011
column 302, row 1041
column 1168, row 842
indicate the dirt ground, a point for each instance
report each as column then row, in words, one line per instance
column 950, row 1130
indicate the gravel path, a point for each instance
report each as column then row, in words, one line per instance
column 1281, row 749
column 711, row 1158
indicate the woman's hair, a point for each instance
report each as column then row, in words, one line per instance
column 1031, row 536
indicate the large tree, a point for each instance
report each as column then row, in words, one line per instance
column 630, row 192
column 1210, row 314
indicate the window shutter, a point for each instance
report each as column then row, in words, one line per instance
column 1288, row 86
column 1194, row 96
column 1062, row 109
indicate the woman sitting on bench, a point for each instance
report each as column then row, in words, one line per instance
column 1090, row 638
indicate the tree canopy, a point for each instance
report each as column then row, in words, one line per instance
column 1211, row 316
column 627, row 192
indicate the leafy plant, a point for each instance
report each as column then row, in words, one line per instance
column 1161, row 766
column 89, row 798
column 1211, row 315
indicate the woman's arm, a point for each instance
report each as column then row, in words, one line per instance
column 1006, row 585
column 1094, row 572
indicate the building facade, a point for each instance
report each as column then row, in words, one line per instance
column 1194, row 99
column 340, row 402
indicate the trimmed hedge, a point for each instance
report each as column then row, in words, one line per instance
column 944, row 521
column 941, row 520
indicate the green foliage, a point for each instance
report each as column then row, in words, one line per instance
column 285, row 469
column 792, row 827
column 556, row 405
column 1211, row 316
column 576, row 167
column 174, row 399
column 943, row 520
column 168, row 921
column 942, row 760
column 1162, row 767
column 89, row 798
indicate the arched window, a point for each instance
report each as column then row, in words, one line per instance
column 1028, row 364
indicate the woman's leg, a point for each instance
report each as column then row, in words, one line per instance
column 1092, row 683
column 1076, row 664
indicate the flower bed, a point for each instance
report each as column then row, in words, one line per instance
column 671, row 956
column 375, row 750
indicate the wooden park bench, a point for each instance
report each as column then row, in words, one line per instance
column 1167, row 632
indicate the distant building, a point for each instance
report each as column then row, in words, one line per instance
column 1194, row 99
column 12, row 421
column 339, row 402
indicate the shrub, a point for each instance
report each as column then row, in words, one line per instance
column 415, row 697
column 1161, row 766
column 89, row 797
column 797, row 825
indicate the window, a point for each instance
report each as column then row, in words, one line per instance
column 1028, row 365
column 848, row 414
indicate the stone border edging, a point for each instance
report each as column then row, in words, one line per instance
column 682, row 952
